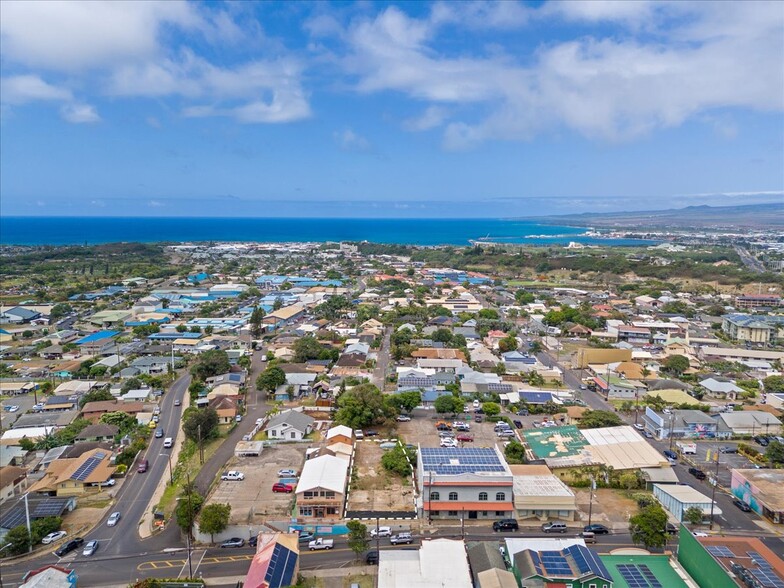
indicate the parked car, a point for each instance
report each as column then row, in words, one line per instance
column 113, row 519
column 372, row 558
column 371, row 433
column 506, row 433
column 381, row 532
column 478, row 419
column 728, row 449
column 699, row 534
column 522, row 412
column 305, row 537
column 639, row 426
column 143, row 465
column 233, row 476
column 90, row 547
column 233, row 542
column 281, row 487
column 12, row 408
column 400, row 538
column 69, row 546
column 741, row 505
column 358, row 434
column 52, row 537
column 505, row 525
column 287, row 473
column 253, row 541
column 697, row 473
column 554, row 527
column 448, row 442
column 671, row 529
column 670, row 455
column 403, row 418
column 320, row 543
column 518, row 424
column 465, row 438
column 762, row 440
column 596, row 529
column 158, row 432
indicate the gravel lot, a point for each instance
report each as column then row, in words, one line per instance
column 421, row 429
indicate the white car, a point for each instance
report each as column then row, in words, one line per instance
column 381, row 532
column 403, row 418
column 287, row 474
column 233, row 476
column 13, row 408
column 639, row 426
column 113, row 519
column 52, row 537
column 448, row 442
column 699, row 534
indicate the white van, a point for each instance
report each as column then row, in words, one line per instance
column 168, row 442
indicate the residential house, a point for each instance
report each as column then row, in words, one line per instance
column 98, row 432
column 73, row 476
column 634, row 335
column 573, row 565
column 226, row 407
column 340, row 434
column 153, row 366
column 140, row 395
column 721, row 388
column 747, row 422
column 93, row 411
column 291, row 425
column 321, row 488
column 13, row 481
column 50, row 576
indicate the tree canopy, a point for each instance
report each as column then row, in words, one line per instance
column 448, row 404
column 774, row 384
column 676, row 364
column 214, row 518
column 211, row 363
column 270, row 379
column 594, row 419
column 94, row 396
column 362, row 406
column 648, row 526
column 194, row 417
column 405, row 401
column 357, row 537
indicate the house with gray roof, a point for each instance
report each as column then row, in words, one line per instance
column 291, row 425
column 721, row 388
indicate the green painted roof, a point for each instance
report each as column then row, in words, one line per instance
column 658, row 564
column 550, row 442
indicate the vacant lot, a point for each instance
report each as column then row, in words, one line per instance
column 610, row 507
column 252, row 499
column 375, row 489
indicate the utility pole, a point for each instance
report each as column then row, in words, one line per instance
column 201, row 449
column 713, row 491
column 590, row 503
column 462, row 523
column 378, row 540
column 672, row 427
column 27, row 520
column 190, row 525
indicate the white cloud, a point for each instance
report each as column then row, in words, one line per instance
column 27, row 88
column 612, row 88
column 432, row 117
column 481, row 14
column 72, row 35
column 348, row 140
column 79, row 113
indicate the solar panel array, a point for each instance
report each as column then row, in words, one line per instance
column 573, row 562
column 416, row 382
column 280, row 572
column 88, row 466
column 500, row 388
column 14, row 515
column 460, row 460
column 767, row 578
column 720, row 551
column 638, row 576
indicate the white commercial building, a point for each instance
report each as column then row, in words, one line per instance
column 678, row 498
column 438, row 562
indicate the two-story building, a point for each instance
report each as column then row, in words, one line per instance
column 464, row 482
column 321, row 489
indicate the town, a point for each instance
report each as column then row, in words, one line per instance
column 355, row 414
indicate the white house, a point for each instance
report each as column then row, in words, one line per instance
column 291, row 425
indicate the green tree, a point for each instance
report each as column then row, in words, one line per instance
column 95, row 396
column 515, row 452
column 357, row 537
column 508, row 343
column 535, row 347
column 448, row 404
column 211, row 363
column 270, row 379
column 59, row 310
column 594, row 419
column 394, row 460
column 676, row 364
column 775, row 452
column 19, row 539
column 488, row 313
column 361, row 406
column 442, row 336
column 214, row 518
column 648, row 526
column 255, row 322
column 188, row 506
column 491, row 409
column 629, row 480
column 307, row 348
column 693, row 515
column 122, row 420
column 774, row 384
column 207, row 418
column 406, row 401
column 278, row 304
column 131, row 384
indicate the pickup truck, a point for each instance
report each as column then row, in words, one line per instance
column 320, row 544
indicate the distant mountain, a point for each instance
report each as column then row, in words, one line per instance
column 757, row 216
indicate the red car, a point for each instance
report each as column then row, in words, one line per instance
column 280, row 487
column 465, row 438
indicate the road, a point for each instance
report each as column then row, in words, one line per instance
column 382, row 361
column 749, row 260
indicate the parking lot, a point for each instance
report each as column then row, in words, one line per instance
column 252, row 499
column 727, row 461
column 24, row 401
column 422, row 429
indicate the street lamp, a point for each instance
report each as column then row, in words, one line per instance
column 171, row 473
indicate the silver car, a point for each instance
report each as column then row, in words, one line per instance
column 113, row 519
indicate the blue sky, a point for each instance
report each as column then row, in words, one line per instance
column 446, row 109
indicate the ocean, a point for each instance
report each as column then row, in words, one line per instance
column 18, row 230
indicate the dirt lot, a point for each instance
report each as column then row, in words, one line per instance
column 252, row 500
column 422, row 429
column 375, row 489
column 610, row 507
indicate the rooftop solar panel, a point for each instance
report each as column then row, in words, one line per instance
column 767, row 578
column 638, row 576
column 87, row 468
column 720, row 551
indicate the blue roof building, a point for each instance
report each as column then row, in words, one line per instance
column 97, row 336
